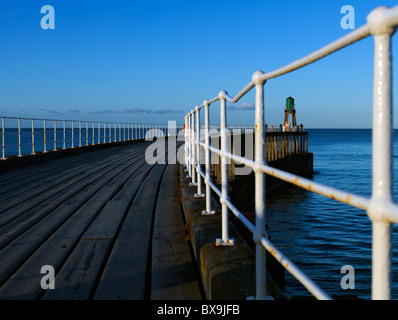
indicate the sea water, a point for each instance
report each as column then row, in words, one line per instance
column 321, row 235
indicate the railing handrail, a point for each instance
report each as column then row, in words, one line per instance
column 83, row 121
column 100, row 132
column 381, row 23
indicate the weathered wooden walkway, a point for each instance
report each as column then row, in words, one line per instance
column 109, row 223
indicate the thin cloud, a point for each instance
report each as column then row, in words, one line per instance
column 244, row 107
column 136, row 110
column 53, row 111
column 168, row 111
column 102, row 111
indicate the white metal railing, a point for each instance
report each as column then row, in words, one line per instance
column 23, row 136
column 381, row 23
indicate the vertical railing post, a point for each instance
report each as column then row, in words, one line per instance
column 19, row 137
column 64, row 129
column 55, row 135
column 199, row 193
column 44, row 137
column 73, row 135
column 381, row 155
column 114, row 132
column 225, row 240
column 260, row 232
column 120, row 132
column 208, row 210
column 33, row 137
column 136, row 132
column 193, row 148
column 86, row 133
column 189, row 147
column 186, row 142
column 3, row 146
column 80, row 133
column 100, row 132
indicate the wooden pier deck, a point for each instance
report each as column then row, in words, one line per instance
column 109, row 223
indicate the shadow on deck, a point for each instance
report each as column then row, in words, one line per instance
column 109, row 223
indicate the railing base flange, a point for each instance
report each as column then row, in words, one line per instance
column 207, row 213
column 197, row 195
column 221, row 242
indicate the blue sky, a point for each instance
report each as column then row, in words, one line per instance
column 153, row 61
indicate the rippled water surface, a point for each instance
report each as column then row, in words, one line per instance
column 321, row 235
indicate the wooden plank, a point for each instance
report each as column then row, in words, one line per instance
column 125, row 272
column 40, row 180
column 29, row 212
column 20, row 188
column 28, row 191
column 108, row 221
column 31, row 174
column 173, row 270
column 15, row 252
column 87, row 256
column 49, row 167
column 24, row 283
column 78, row 285
column 34, row 197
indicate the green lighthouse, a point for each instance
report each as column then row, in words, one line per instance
column 289, row 109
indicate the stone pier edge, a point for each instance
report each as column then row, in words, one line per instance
column 227, row 272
